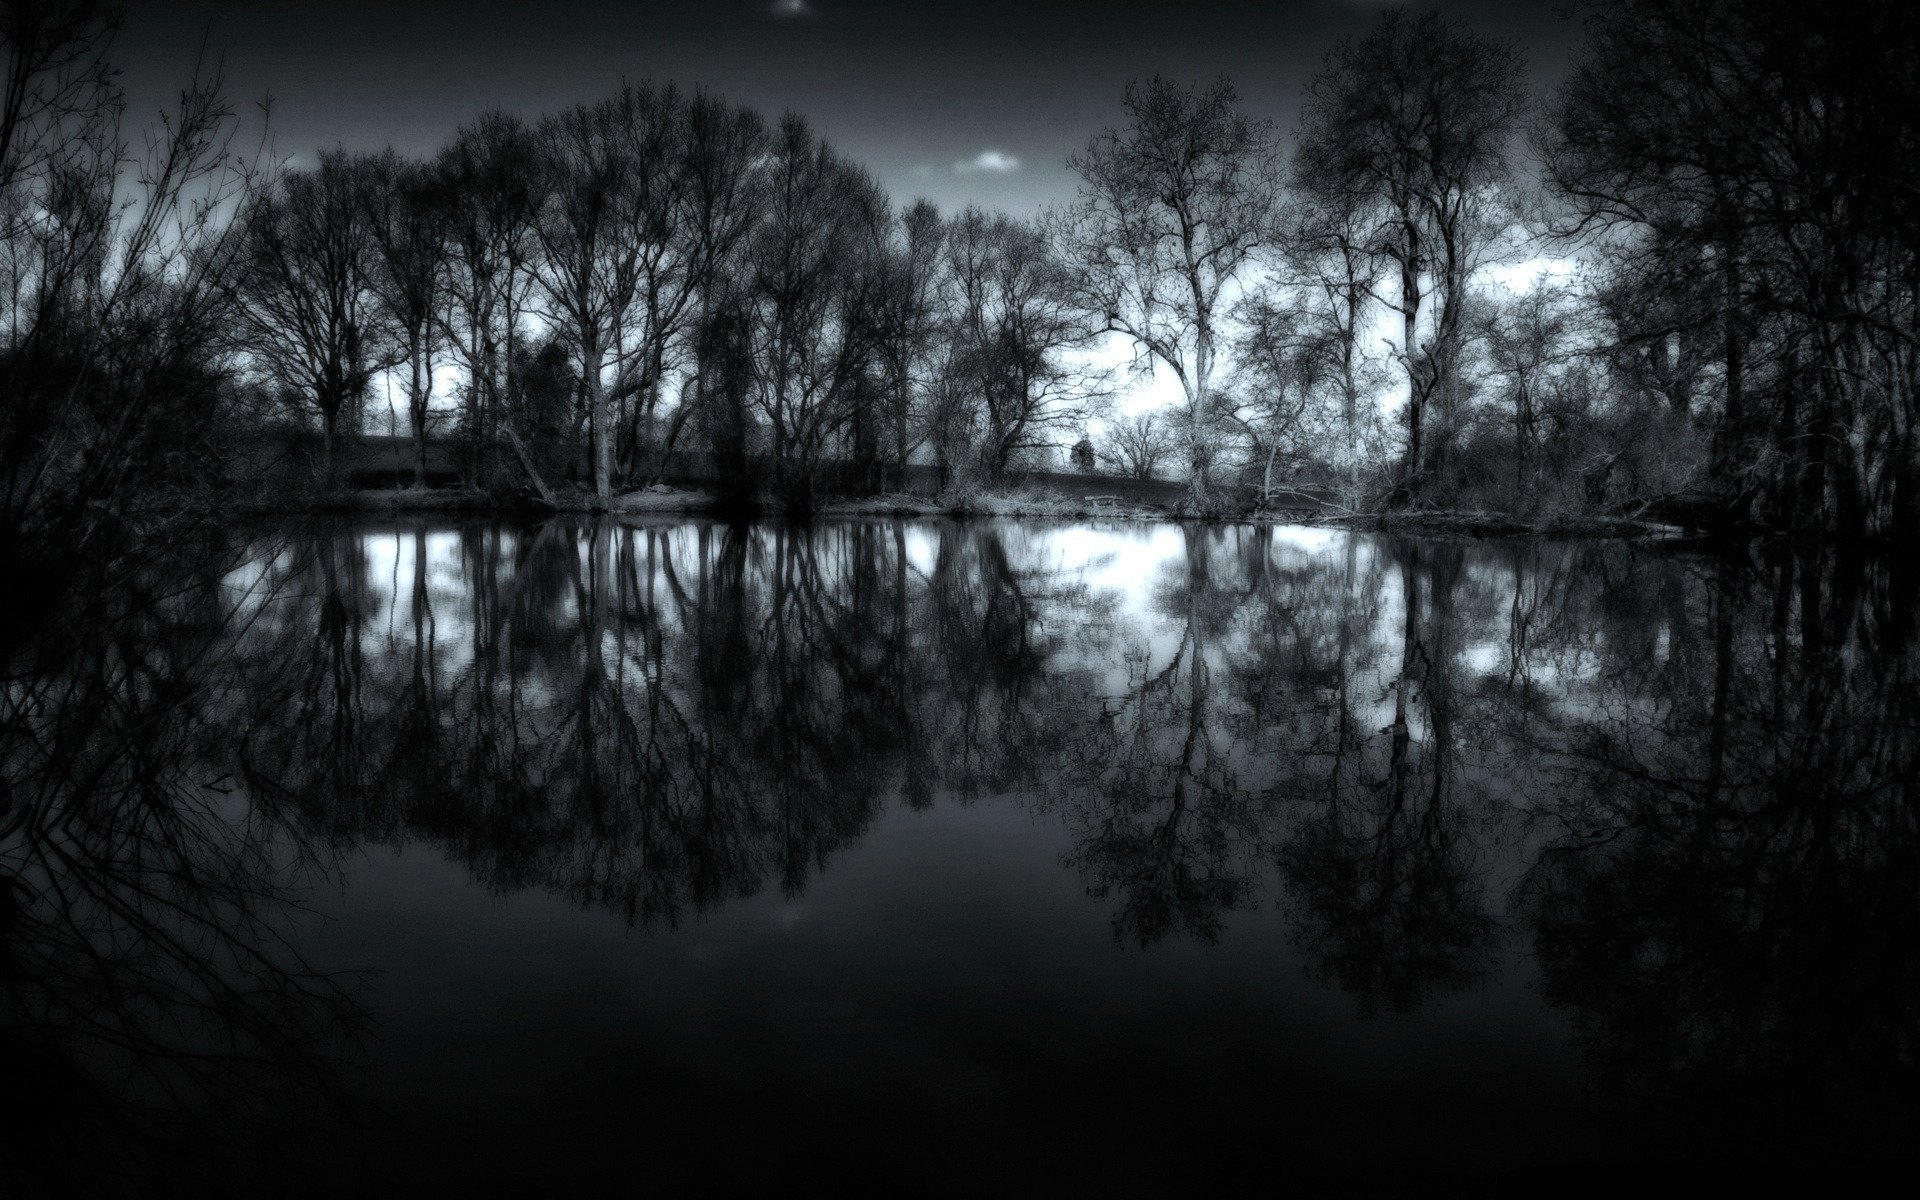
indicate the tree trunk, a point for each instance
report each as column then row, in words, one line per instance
column 526, row 463
column 1734, row 349
column 1200, row 475
column 417, row 412
column 1523, row 438
column 329, row 423
column 590, row 354
column 1416, row 401
column 903, row 407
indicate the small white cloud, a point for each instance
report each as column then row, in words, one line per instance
column 791, row 8
column 992, row 162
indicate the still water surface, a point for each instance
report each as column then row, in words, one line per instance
column 508, row 857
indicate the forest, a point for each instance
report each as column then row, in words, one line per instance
column 661, row 283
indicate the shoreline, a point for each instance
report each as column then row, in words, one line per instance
column 662, row 501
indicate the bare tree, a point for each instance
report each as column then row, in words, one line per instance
column 113, row 254
column 1326, row 263
column 309, row 317
column 911, row 314
column 1525, row 338
column 1136, row 445
column 666, row 251
column 405, row 218
column 1015, row 317
column 490, row 186
column 589, row 264
column 720, row 150
column 1405, row 142
column 57, row 108
column 1745, row 164
column 1287, row 355
column 813, row 301
column 1172, row 208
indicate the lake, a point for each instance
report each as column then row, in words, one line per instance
column 508, row 857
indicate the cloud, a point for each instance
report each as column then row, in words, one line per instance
column 791, row 8
column 991, row 162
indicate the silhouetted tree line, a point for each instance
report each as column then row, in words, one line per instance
column 700, row 280
column 661, row 276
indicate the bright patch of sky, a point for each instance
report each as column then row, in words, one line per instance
column 992, row 162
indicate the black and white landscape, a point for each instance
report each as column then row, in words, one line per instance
column 910, row 598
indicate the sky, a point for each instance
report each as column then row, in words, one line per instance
column 977, row 102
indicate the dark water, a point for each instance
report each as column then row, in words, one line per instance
column 514, row 858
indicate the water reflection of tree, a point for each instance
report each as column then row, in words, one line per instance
column 691, row 713
column 1734, row 909
column 1161, row 818
column 158, row 1025
column 655, row 719
column 1383, row 882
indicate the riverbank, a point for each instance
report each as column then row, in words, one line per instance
column 661, row 500
column 1481, row 525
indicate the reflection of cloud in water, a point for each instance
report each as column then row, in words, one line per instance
column 1310, row 539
